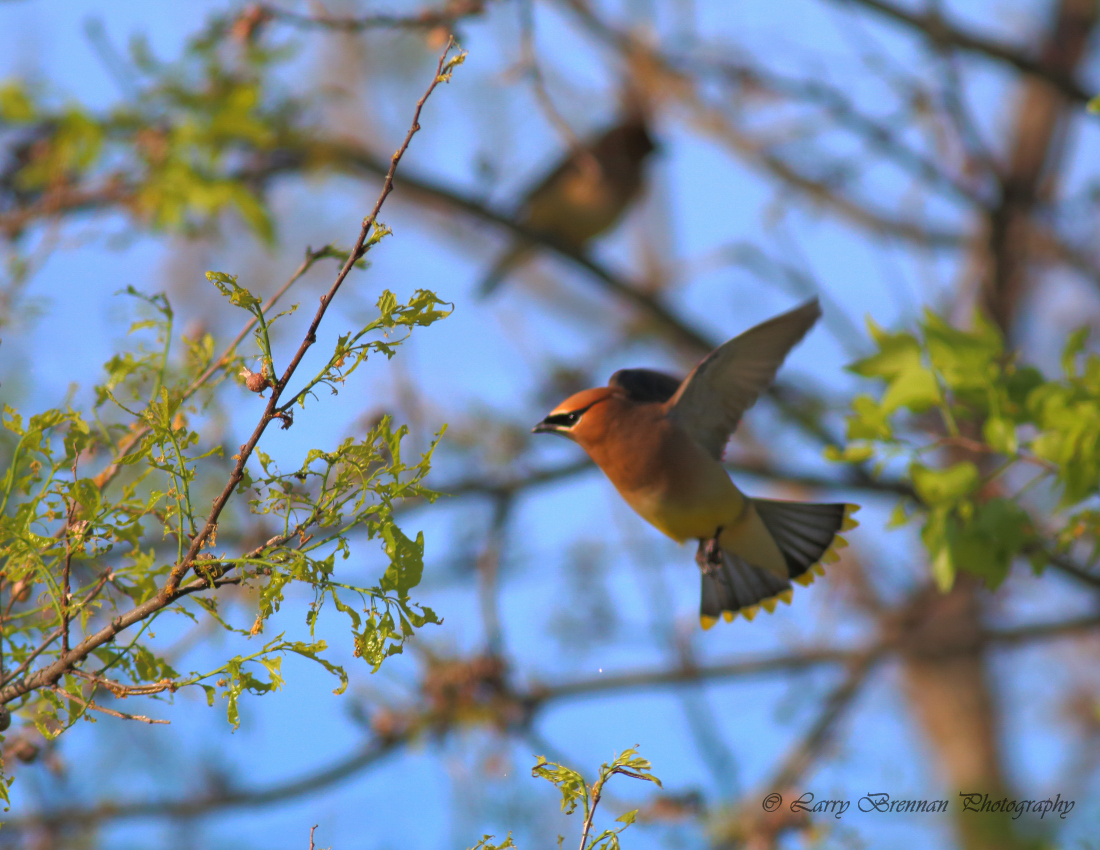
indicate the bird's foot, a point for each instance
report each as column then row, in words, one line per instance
column 709, row 554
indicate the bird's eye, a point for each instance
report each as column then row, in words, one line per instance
column 565, row 420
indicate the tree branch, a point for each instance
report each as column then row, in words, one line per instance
column 935, row 27
column 447, row 17
column 406, row 728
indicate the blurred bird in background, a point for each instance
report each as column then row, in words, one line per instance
column 660, row 441
column 585, row 195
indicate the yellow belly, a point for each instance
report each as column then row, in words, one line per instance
column 667, row 477
column 714, row 502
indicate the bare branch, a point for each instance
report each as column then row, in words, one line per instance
column 802, row 755
column 446, row 17
column 91, row 705
column 402, row 729
column 861, row 212
column 935, row 27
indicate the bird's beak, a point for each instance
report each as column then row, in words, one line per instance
column 548, row 427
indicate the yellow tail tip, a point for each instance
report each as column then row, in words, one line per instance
column 832, row 554
column 750, row 611
column 849, row 522
column 806, row 579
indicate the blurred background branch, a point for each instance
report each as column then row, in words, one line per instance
column 912, row 164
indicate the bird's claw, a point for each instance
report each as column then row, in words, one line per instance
column 709, row 554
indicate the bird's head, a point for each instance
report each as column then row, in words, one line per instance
column 578, row 415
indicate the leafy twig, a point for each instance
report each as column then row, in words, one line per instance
column 574, row 790
column 91, row 705
column 172, row 590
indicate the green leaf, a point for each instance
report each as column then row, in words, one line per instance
column 15, row 106
column 486, row 843
column 149, row 667
column 852, row 453
column 568, row 782
column 968, row 360
column 999, row 529
column 631, row 760
column 868, row 420
column 1017, row 384
column 313, row 652
column 1074, row 346
column 910, row 384
column 86, row 494
column 899, row 516
column 406, row 561
column 1000, row 435
column 386, row 304
column 944, row 486
column 943, row 570
column 627, row 817
column 238, row 296
column 254, row 212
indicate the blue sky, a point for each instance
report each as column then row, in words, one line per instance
column 488, row 357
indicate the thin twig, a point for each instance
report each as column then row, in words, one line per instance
column 92, row 594
column 1041, row 631
column 942, row 33
column 712, row 120
column 597, row 788
column 134, row 438
column 38, row 650
column 65, row 573
column 530, row 63
column 487, row 564
column 800, row 757
column 118, row 689
column 1065, row 565
column 195, row 805
column 90, row 704
column 781, row 662
column 426, row 20
column 310, row 337
column 978, row 447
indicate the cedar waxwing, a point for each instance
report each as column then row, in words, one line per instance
column 660, row 441
column 586, row 194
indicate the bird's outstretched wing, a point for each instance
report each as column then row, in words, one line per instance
column 710, row 401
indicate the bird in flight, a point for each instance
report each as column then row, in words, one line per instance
column 660, row 441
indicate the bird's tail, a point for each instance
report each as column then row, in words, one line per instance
column 503, row 267
column 807, row 536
